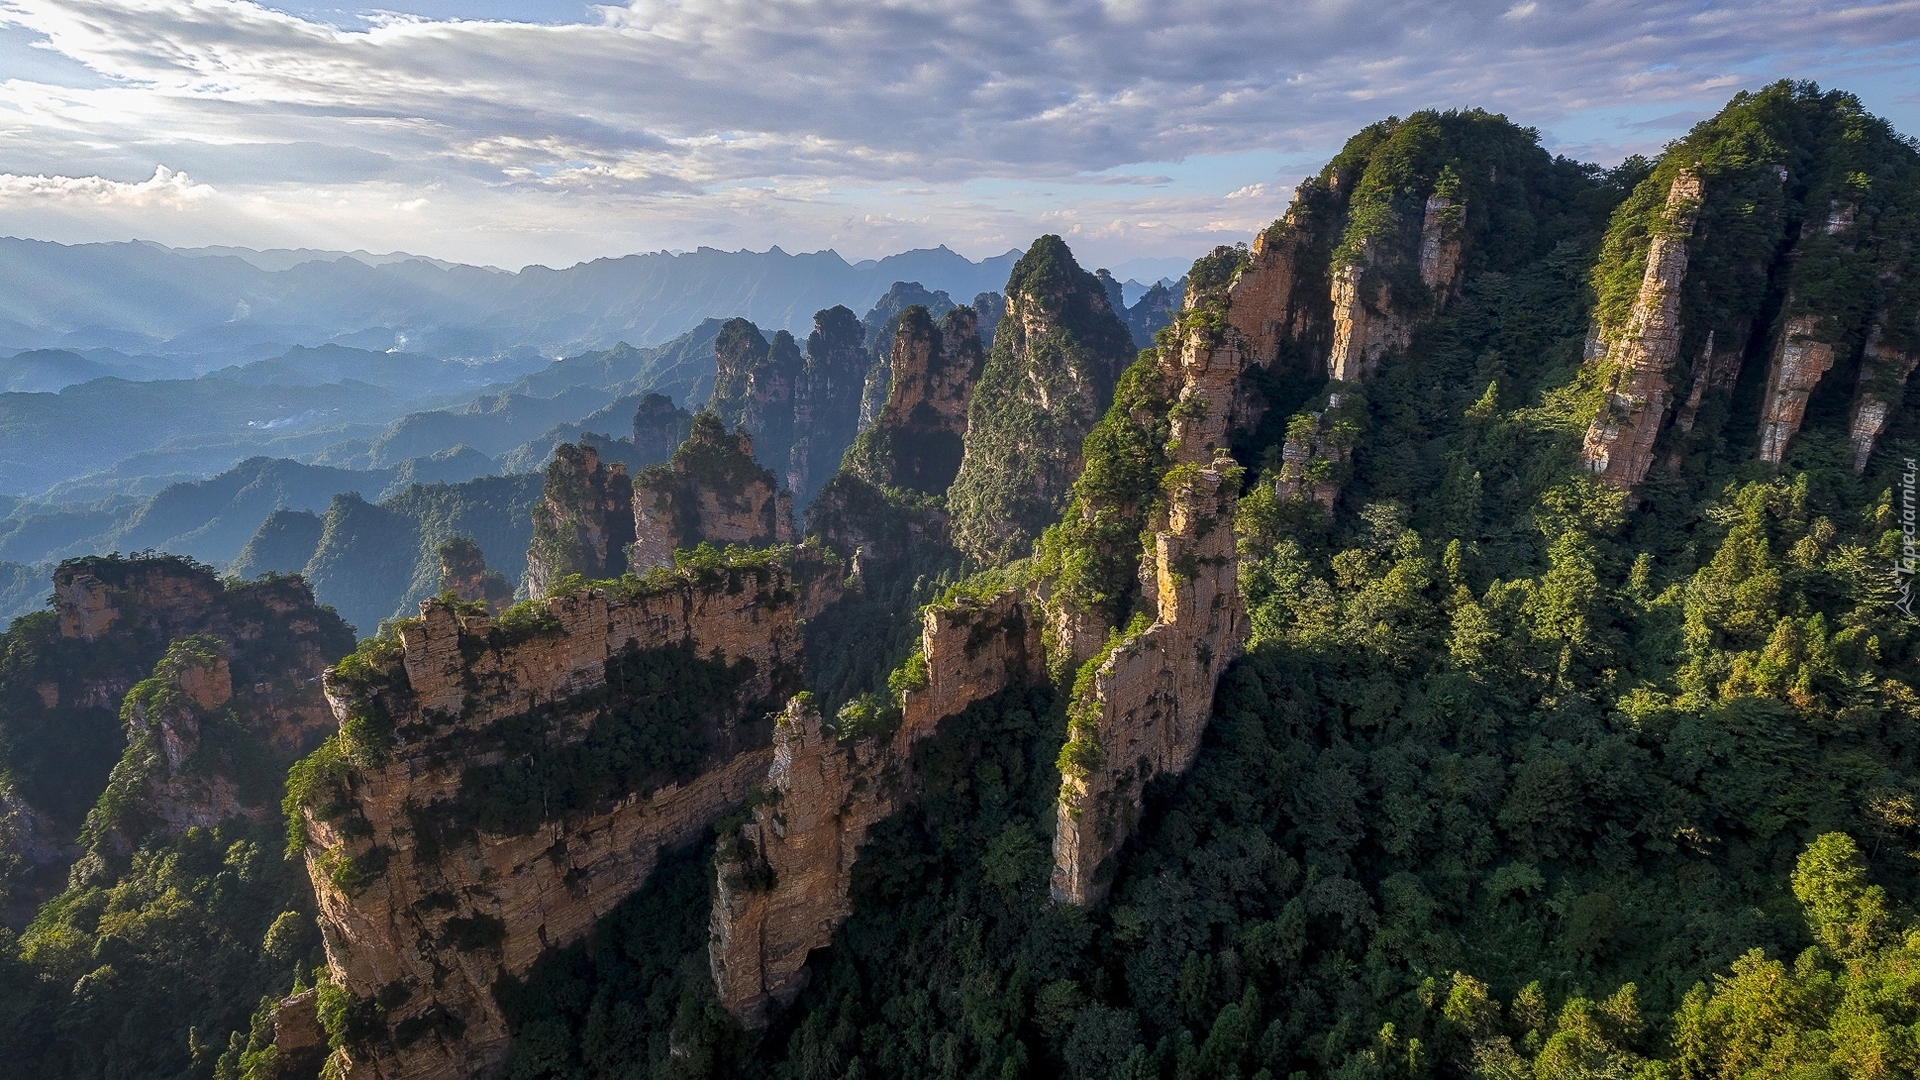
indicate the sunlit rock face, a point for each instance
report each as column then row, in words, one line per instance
column 453, row 855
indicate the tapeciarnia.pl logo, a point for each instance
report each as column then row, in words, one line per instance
column 1909, row 561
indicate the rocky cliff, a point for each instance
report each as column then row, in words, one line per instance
column 1051, row 373
column 497, row 785
column 70, row 670
column 1367, row 321
column 1799, row 360
column 917, row 441
column 1883, row 378
column 1637, row 357
column 465, row 574
column 826, row 404
column 1141, row 703
column 712, row 491
column 754, row 383
column 783, row 878
column 1757, row 254
column 201, row 751
column 583, row 522
column 659, row 426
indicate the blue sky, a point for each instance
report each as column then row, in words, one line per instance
column 519, row 131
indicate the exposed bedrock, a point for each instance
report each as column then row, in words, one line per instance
column 1148, row 703
column 783, row 882
column 480, row 837
column 1883, row 379
column 583, row 522
column 1639, row 357
column 917, row 441
column 1799, row 360
column 1367, row 322
column 712, row 491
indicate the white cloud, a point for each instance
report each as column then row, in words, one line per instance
column 662, row 114
column 164, row 188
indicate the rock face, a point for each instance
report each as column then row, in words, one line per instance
column 114, row 620
column 880, row 324
column 1146, row 706
column 1051, row 374
column 472, row 843
column 1883, row 378
column 917, row 442
column 583, row 522
column 782, row 887
column 1798, row 362
column 1367, row 323
column 464, row 573
column 1619, row 443
column 658, row 427
column 754, row 383
column 188, row 737
column 165, row 597
column 826, row 405
column 712, row 491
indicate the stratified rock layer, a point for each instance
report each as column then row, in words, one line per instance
column 1798, row 362
column 713, row 491
column 1146, row 707
column 1619, row 443
column 583, row 522
column 1883, row 379
column 432, row 910
column 783, row 883
column 917, row 441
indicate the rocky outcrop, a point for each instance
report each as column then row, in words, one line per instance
column 754, row 384
column 1317, row 454
column 1799, row 360
column 299, row 1040
column 659, row 426
column 1639, row 355
column 160, row 597
column 826, row 404
column 917, row 442
column 205, row 736
column 164, row 785
column 712, row 491
column 990, row 307
column 1051, row 374
column 783, row 880
column 1141, row 709
column 1367, row 320
column 881, row 324
column 1883, row 379
column 490, row 826
column 583, row 522
column 464, row 573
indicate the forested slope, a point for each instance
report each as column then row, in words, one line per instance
column 1532, row 527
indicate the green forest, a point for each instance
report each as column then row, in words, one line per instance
column 1515, row 779
column 1520, row 774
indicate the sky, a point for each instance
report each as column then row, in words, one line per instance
column 510, row 132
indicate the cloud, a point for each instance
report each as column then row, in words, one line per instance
column 670, row 108
column 164, row 188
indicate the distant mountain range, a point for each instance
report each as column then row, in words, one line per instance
column 210, row 307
